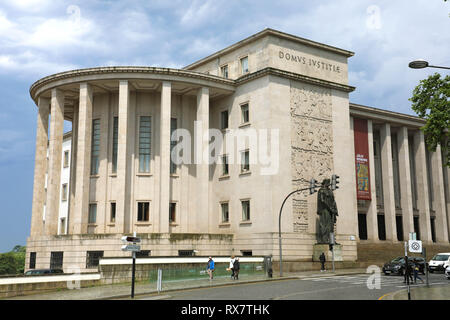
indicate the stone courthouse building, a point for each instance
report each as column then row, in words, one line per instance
column 124, row 180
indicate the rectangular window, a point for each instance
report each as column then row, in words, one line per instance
column 56, row 260
column 172, row 211
column 143, row 211
column 173, row 143
column 225, row 168
column 93, row 259
column 143, row 254
column 224, row 120
column 362, row 226
column 245, row 210
column 224, row 71
column 185, row 253
column 95, row 148
column 144, row 144
column 113, row 212
column 115, row 144
column 244, row 113
column 247, row 253
column 244, row 65
column 225, row 212
column 66, row 158
column 64, row 192
column 245, row 161
column 92, row 213
column 32, row 264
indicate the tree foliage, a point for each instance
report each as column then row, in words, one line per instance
column 431, row 101
column 13, row 262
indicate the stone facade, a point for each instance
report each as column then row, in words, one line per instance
column 291, row 91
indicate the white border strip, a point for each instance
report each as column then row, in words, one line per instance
column 31, row 279
column 176, row 260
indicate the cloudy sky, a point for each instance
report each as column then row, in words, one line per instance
column 42, row 37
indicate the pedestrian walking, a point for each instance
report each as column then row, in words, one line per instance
column 416, row 274
column 322, row 261
column 231, row 267
column 408, row 273
column 236, row 268
column 210, row 268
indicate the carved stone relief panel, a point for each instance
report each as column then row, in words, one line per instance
column 312, row 144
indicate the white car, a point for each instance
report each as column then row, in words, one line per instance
column 438, row 261
column 447, row 264
column 447, row 272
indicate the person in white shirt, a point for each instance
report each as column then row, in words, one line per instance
column 231, row 267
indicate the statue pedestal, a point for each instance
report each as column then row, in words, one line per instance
column 325, row 248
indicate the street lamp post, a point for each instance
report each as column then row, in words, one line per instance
column 311, row 189
column 420, row 64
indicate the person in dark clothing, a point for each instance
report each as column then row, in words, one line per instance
column 322, row 261
column 236, row 268
column 408, row 272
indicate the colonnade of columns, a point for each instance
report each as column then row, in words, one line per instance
column 81, row 161
column 421, row 180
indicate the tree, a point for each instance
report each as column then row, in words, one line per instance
column 13, row 262
column 431, row 101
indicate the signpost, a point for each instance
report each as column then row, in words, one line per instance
column 413, row 246
column 133, row 247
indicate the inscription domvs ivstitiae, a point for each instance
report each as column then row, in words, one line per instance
column 309, row 62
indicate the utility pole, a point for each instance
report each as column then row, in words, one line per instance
column 407, row 270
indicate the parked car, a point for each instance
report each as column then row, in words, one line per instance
column 42, row 271
column 447, row 272
column 397, row 265
column 438, row 261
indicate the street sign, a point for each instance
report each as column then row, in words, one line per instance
column 131, row 239
column 415, row 246
column 131, row 247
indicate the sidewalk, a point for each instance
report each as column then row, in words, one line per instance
column 421, row 293
column 123, row 291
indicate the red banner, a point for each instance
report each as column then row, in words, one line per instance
column 361, row 159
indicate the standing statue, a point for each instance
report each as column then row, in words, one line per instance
column 327, row 211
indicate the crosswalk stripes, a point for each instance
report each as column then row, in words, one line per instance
column 360, row 280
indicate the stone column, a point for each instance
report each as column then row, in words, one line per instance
column 422, row 187
column 388, row 182
column 164, row 136
column 73, row 168
column 447, row 185
column 40, row 167
column 405, row 182
column 123, row 214
column 54, row 162
column 372, row 221
column 83, row 160
column 201, row 157
column 439, row 196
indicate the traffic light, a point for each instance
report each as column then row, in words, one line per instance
column 312, row 186
column 334, row 182
column 131, row 239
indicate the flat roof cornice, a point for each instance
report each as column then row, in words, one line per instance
column 276, row 33
column 358, row 110
column 294, row 76
column 131, row 72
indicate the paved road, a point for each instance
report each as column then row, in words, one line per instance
column 352, row 287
